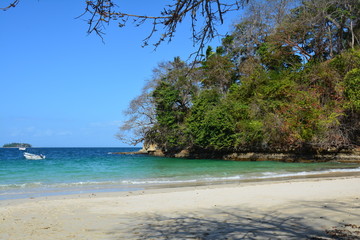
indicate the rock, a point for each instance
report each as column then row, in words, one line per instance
column 182, row 154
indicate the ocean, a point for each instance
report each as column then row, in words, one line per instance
column 92, row 170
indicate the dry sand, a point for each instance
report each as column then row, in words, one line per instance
column 294, row 209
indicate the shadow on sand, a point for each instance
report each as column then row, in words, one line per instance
column 308, row 220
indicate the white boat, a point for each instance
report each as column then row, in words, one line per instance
column 22, row 148
column 31, row 156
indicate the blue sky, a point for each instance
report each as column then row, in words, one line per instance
column 61, row 87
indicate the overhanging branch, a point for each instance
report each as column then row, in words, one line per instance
column 11, row 5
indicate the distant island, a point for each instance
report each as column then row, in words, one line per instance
column 17, row 145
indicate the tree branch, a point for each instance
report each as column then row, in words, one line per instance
column 11, row 5
column 104, row 11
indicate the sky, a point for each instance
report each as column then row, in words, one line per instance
column 61, row 87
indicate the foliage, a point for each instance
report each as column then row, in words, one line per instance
column 218, row 71
column 170, row 114
column 283, row 81
column 210, row 124
column 352, row 88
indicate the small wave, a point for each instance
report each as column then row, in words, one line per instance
column 52, row 185
column 86, row 183
column 304, row 173
column 158, row 181
column 20, row 185
column 165, row 181
column 263, row 175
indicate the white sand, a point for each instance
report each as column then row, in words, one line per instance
column 298, row 209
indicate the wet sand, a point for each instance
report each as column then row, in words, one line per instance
column 316, row 208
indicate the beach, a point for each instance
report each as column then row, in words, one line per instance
column 317, row 208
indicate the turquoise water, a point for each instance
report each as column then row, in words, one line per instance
column 85, row 170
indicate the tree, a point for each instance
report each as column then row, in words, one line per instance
column 172, row 98
column 141, row 118
column 257, row 93
column 321, row 29
column 259, row 20
column 158, row 114
column 218, row 71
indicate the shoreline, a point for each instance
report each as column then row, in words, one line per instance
column 103, row 188
column 286, row 209
column 342, row 157
column 180, row 187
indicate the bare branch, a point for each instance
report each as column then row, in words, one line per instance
column 102, row 12
column 205, row 15
column 11, row 5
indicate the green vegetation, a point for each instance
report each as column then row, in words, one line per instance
column 17, row 145
column 285, row 80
